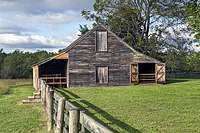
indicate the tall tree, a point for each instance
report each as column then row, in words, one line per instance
column 141, row 23
column 193, row 16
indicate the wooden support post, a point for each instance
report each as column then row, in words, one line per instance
column 50, row 109
column 60, row 115
column 73, row 120
column 44, row 94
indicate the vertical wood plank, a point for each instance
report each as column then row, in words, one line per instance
column 44, row 94
column 61, row 104
column 73, row 120
column 50, row 110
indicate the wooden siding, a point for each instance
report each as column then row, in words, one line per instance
column 83, row 59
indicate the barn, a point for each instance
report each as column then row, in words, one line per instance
column 99, row 58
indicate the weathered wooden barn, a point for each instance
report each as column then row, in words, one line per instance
column 99, row 58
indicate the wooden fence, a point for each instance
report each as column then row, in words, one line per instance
column 64, row 117
column 183, row 74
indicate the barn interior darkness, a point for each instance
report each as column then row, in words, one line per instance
column 53, row 67
column 147, row 68
column 147, row 72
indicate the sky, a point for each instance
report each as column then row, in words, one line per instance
column 31, row 25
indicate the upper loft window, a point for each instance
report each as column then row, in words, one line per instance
column 101, row 41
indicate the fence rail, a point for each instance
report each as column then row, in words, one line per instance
column 64, row 117
column 183, row 74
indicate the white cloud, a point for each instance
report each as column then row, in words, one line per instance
column 40, row 24
column 49, row 18
column 34, row 41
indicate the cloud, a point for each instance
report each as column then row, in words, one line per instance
column 43, row 6
column 49, row 18
column 12, row 27
column 34, row 41
column 40, row 24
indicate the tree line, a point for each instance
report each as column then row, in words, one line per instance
column 17, row 65
column 160, row 29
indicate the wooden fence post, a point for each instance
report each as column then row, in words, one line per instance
column 50, row 109
column 41, row 88
column 47, row 89
column 60, row 115
column 44, row 94
column 82, row 126
column 73, row 120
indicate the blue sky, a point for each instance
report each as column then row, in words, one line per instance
column 32, row 25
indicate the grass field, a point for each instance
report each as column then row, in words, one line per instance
column 18, row 118
column 174, row 107
column 5, row 84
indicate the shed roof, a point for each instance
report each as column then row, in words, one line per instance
column 62, row 55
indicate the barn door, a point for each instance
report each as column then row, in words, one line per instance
column 160, row 73
column 134, row 74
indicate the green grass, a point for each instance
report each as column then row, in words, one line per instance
column 174, row 107
column 15, row 117
column 5, row 84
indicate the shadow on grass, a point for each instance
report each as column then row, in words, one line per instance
column 171, row 81
column 112, row 120
column 64, row 93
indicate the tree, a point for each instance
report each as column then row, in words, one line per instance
column 83, row 29
column 2, row 56
column 18, row 64
column 193, row 16
column 141, row 23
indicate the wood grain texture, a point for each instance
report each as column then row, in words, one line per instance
column 60, row 115
column 92, row 125
column 83, row 60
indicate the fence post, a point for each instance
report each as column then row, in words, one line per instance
column 44, row 94
column 47, row 88
column 50, row 109
column 73, row 120
column 60, row 115
column 41, row 90
column 82, row 126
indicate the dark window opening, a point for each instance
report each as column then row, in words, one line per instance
column 147, row 68
column 102, row 74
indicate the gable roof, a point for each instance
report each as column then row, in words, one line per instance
column 101, row 27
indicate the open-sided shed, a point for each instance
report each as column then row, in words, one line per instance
column 53, row 70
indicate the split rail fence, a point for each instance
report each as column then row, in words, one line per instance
column 64, row 117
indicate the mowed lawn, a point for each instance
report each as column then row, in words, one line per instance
column 173, row 107
column 18, row 118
